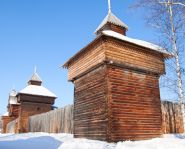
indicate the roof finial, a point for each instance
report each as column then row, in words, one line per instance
column 109, row 6
column 13, row 87
column 35, row 70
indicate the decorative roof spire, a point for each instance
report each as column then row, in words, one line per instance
column 35, row 71
column 109, row 6
column 13, row 92
column 111, row 22
column 35, row 79
column 13, row 87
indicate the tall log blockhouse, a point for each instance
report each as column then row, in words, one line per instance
column 116, row 81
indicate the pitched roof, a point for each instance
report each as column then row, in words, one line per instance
column 35, row 77
column 13, row 93
column 12, row 97
column 141, row 43
column 37, row 90
column 6, row 114
column 111, row 18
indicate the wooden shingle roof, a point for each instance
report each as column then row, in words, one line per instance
column 111, row 18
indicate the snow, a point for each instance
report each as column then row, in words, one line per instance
column 13, row 101
column 37, row 90
column 66, row 141
column 13, row 93
column 12, row 97
column 6, row 114
column 136, row 41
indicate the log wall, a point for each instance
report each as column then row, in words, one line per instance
column 56, row 121
column 135, row 107
column 90, row 105
column 133, row 56
column 14, row 110
column 110, row 49
column 89, row 59
column 114, row 104
column 116, row 90
column 29, row 109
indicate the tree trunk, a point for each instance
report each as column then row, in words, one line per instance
column 176, row 54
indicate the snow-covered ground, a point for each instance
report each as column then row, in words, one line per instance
column 66, row 141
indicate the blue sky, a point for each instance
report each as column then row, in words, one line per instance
column 45, row 33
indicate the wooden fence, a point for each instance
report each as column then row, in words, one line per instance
column 61, row 120
column 172, row 121
column 57, row 121
column 10, row 128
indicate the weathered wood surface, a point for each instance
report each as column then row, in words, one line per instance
column 35, row 99
column 133, row 56
column 12, row 126
column 109, row 49
column 61, row 121
column 171, row 118
column 116, row 90
column 56, row 121
column 113, row 27
column 91, row 58
column 29, row 109
column 5, row 121
column 115, row 104
column 134, row 103
column 90, row 105
column 14, row 110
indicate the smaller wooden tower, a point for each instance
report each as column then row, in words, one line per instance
column 12, row 110
column 13, row 105
column 34, row 99
column 116, row 81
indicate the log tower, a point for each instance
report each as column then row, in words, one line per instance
column 34, row 99
column 116, row 81
column 13, row 110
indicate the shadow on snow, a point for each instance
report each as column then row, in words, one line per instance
column 43, row 142
column 180, row 136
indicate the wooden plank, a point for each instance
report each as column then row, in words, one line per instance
column 90, row 108
column 172, row 121
column 57, row 121
column 109, row 49
column 141, row 113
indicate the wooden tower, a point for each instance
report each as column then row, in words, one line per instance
column 13, row 110
column 116, row 81
column 34, row 99
column 13, row 105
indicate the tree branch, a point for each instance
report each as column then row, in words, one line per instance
column 179, row 3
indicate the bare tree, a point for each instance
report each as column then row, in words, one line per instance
column 168, row 17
